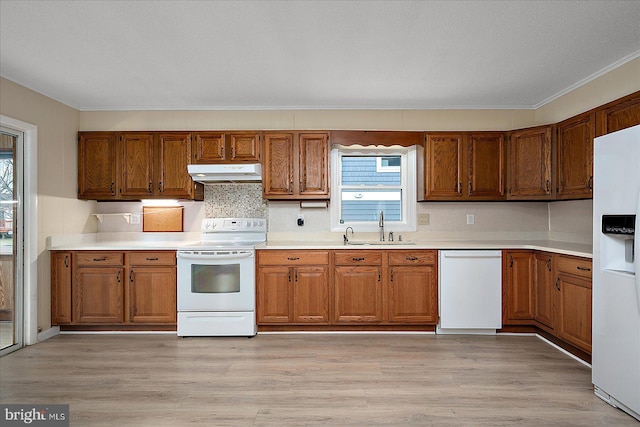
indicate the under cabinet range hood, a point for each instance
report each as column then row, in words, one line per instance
column 218, row 173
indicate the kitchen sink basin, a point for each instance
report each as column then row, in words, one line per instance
column 377, row 243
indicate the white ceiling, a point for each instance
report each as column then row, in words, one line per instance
column 130, row 55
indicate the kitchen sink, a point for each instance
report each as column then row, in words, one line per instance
column 377, row 243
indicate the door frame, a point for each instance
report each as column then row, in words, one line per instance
column 30, row 226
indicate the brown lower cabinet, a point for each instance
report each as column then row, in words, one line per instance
column 544, row 291
column 113, row 288
column 292, row 287
column 560, row 286
column 573, row 286
column 347, row 287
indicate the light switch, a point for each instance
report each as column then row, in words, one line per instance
column 471, row 219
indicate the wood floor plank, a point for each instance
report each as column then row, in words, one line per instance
column 307, row 379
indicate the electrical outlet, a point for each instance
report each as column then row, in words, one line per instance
column 135, row 218
column 471, row 219
column 300, row 220
column 423, row 219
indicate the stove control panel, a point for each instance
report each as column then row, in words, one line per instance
column 215, row 225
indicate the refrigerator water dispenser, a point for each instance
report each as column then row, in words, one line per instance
column 618, row 243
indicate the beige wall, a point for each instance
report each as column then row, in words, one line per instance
column 615, row 84
column 59, row 211
column 308, row 119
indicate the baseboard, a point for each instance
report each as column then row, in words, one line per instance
column 49, row 333
column 568, row 353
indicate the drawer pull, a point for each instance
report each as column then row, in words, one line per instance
column 583, row 268
column 153, row 259
column 357, row 259
column 293, row 258
column 411, row 258
column 104, row 258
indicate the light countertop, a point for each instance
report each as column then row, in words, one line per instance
column 174, row 241
column 567, row 248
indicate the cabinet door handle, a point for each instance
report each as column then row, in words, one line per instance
column 152, row 259
column 118, row 277
column 160, row 186
column 66, row 261
column 470, row 188
column 293, row 258
column 547, row 186
column 291, row 187
column 549, row 264
column 391, row 278
column 558, row 284
column 131, row 276
column 590, row 183
column 459, row 188
column 296, row 275
column 222, row 151
column 232, row 152
column 379, row 275
column 583, row 268
column 111, row 188
column 289, row 276
column 357, row 259
column 150, row 187
column 510, row 261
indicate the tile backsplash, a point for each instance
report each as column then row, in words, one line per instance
column 234, row 200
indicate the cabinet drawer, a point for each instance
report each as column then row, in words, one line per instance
column 412, row 257
column 293, row 258
column 577, row 266
column 358, row 257
column 152, row 258
column 99, row 259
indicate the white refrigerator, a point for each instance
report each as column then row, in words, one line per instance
column 616, row 270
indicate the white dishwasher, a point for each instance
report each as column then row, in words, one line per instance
column 470, row 292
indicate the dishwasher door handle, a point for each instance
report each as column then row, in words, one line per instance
column 475, row 255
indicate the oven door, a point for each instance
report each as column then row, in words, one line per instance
column 216, row 280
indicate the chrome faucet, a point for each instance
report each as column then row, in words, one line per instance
column 381, row 226
column 346, row 235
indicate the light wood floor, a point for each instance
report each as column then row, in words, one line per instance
column 304, row 379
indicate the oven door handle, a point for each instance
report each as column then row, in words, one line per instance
column 213, row 255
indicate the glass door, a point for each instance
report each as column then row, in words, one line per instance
column 11, row 291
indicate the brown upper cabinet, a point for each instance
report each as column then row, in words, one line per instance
column 135, row 165
column 443, row 166
column 619, row 114
column 226, row 147
column 98, row 176
column 575, row 157
column 467, row 166
column 485, row 165
column 296, row 165
column 529, row 164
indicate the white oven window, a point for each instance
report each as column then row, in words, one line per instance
column 215, row 279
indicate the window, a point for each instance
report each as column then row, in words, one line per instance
column 367, row 180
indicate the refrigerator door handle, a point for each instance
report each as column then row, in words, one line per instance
column 636, row 253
